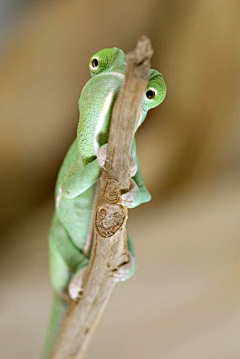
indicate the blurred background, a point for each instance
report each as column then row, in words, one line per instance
column 184, row 301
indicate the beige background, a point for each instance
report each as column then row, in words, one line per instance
column 184, row 301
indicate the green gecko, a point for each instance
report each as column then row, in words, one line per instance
column 71, row 228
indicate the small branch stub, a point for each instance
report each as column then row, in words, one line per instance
column 109, row 219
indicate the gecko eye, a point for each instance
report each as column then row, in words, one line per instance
column 150, row 94
column 95, row 63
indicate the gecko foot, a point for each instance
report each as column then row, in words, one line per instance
column 102, row 155
column 122, row 273
column 128, row 199
column 75, row 288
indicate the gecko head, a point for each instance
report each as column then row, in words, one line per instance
column 107, row 68
column 114, row 60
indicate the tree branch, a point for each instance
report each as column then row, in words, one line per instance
column 109, row 248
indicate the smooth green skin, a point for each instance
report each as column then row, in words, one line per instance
column 79, row 173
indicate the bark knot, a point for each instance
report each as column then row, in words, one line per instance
column 109, row 219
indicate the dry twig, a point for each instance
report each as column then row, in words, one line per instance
column 109, row 248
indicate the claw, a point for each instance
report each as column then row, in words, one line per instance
column 75, row 293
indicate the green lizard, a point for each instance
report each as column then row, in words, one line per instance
column 70, row 232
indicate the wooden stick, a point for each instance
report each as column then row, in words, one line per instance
column 109, row 249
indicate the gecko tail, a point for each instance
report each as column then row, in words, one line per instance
column 58, row 311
